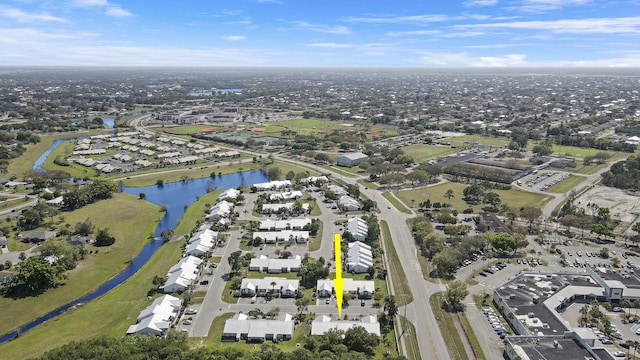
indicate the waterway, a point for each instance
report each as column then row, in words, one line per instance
column 175, row 197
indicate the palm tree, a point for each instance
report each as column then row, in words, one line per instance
column 449, row 194
column 273, row 287
column 627, row 304
column 584, row 311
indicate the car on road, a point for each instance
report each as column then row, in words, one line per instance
column 327, row 301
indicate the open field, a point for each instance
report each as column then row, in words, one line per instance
column 623, row 205
column 467, row 140
column 324, row 126
column 424, row 152
column 189, row 129
column 130, row 220
column 515, row 198
column 397, row 202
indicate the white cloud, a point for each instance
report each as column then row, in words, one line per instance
column 415, row 33
column 235, row 38
column 328, row 29
column 32, row 37
column 570, row 26
column 464, row 59
column 109, row 8
column 415, row 19
column 538, row 6
column 25, row 17
column 480, row 2
column 331, row 45
column 116, row 11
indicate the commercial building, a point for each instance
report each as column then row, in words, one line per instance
column 352, row 159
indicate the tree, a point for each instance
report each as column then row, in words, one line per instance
column 636, row 227
column 390, row 306
column 84, row 227
column 449, row 194
column 104, row 238
column 311, row 272
column 234, row 260
column 360, row 340
column 473, row 193
column 542, row 150
column 273, row 173
column 604, row 253
column 142, row 196
column 531, row 214
column 456, row 292
column 492, row 199
column 37, row 274
column 303, row 304
column 504, row 242
column 166, row 234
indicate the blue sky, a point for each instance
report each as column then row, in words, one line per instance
column 432, row 33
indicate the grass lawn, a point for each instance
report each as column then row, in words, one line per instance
column 515, row 198
column 397, row 203
column 108, row 315
column 20, row 166
column 410, row 339
column 151, row 176
column 195, row 212
column 227, row 294
column 424, row 152
column 473, row 340
column 189, row 129
column 447, row 328
column 316, row 241
column 401, row 287
column 65, row 149
column 566, row 185
column 466, row 140
column 343, row 171
column 368, row 185
column 130, row 221
column 11, row 202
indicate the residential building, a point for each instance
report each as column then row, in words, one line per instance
column 289, row 195
column 323, row 324
column 289, row 224
column 347, row 203
column 182, row 275
column 231, row 194
column 276, row 285
column 157, row 318
column 359, row 258
column 240, row 327
column 275, row 266
column 220, row 210
column 362, row 289
column 273, row 185
column 358, row 228
column 290, row 236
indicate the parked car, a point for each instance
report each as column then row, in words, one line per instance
column 191, row 311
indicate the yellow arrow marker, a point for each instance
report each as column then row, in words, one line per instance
column 338, row 283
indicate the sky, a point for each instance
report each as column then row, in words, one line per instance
column 333, row 33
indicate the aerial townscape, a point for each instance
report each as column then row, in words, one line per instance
column 277, row 179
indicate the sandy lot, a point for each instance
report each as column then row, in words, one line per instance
column 623, row 206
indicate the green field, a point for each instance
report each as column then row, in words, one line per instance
column 515, row 198
column 424, row 152
column 321, row 126
column 130, row 220
column 467, row 140
column 188, row 129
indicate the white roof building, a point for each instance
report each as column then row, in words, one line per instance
column 229, row 194
column 240, row 327
column 338, row 190
column 220, row 210
column 289, row 195
column 274, row 266
column 359, row 257
column 348, row 203
column 273, row 185
column 157, row 317
column 314, row 180
column 182, row 275
column 291, row 236
column 204, row 234
column 360, row 288
column 282, row 286
column 352, row 159
column 323, row 323
column 293, row 224
column 358, row 228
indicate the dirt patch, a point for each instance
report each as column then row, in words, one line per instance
column 623, row 205
column 209, row 129
column 258, row 129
